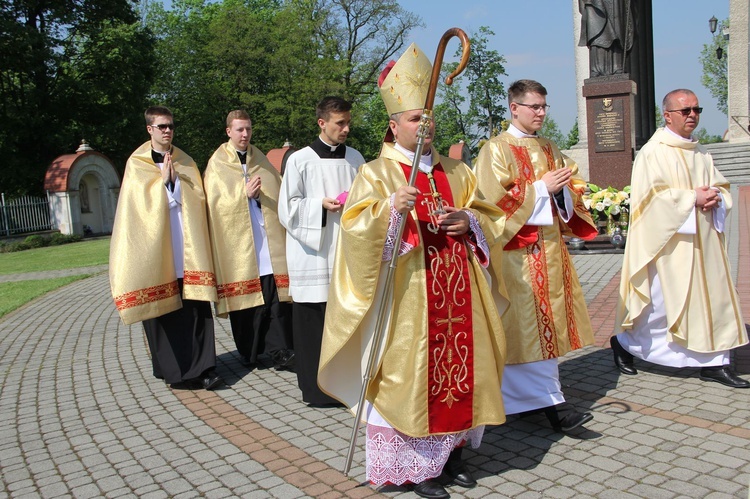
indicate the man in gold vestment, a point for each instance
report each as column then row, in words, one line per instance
column 437, row 380
column 678, row 306
column 540, row 190
column 248, row 242
column 160, row 267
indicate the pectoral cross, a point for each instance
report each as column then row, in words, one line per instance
column 435, row 206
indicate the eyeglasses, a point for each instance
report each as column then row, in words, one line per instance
column 535, row 107
column 686, row 111
column 164, row 126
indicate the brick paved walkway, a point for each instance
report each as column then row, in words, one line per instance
column 84, row 418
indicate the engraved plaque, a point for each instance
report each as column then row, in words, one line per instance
column 609, row 125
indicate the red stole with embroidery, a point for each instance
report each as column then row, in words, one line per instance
column 450, row 383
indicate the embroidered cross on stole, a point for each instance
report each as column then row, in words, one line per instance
column 450, row 334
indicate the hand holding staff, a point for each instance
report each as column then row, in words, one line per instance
column 408, row 203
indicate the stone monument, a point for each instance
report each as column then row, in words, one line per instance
column 608, row 29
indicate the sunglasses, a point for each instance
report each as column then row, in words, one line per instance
column 163, row 127
column 686, row 111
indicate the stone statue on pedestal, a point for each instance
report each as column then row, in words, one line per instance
column 608, row 30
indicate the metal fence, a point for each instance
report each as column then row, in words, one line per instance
column 24, row 214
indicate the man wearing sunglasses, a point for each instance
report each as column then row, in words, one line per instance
column 160, row 266
column 678, row 306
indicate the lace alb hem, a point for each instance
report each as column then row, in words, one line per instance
column 395, row 458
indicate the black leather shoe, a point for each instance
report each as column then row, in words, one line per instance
column 283, row 360
column 211, row 381
column 455, row 471
column 564, row 417
column 431, row 489
column 623, row 358
column 723, row 375
column 573, row 421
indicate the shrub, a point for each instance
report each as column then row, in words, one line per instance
column 36, row 241
column 57, row 238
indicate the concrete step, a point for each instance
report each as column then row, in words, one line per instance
column 732, row 160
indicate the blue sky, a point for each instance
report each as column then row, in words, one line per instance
column 536, row 39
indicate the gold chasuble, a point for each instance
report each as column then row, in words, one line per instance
column 444, row 347
column 701, row 303
column 141, row 264
column 547, row 317
column 232, row 239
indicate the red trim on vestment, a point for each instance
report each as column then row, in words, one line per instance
column 239, row 288
column 570, row 314
column 512, row 201
column 450, row 335
column 537, row 261
column 516, row 195
column 282, row 280
column 199, row 278
column 146, row 295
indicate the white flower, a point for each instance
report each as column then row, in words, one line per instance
column 600, row 206
column 615, row 210
column 607, row 202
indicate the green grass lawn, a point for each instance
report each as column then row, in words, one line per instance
column 15, row 294
column 65, row 256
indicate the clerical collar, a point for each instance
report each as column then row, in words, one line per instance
column 675, row 134
column 243, row 156
column 327, row 151
column 514, row 131
column 157, row 157
column 425, row 162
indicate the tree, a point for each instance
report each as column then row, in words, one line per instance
column 364, row 35
column 57, row 63
column 714, row 69
column 659, row 117
column 275, row 59
column 369, row 124
column 550, row 130
column 481, row 115
column 704, row 137
column 261, row 56
column 572, row 138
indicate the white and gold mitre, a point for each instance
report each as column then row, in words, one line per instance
column 404, row 85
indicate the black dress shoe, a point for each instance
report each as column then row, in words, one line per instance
column 283, row 360
column 564, row 417
column 211, row 381
column 455, row 471
column 623, row 358
column 723, row 375
column 573, row 421
column 431, row 489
